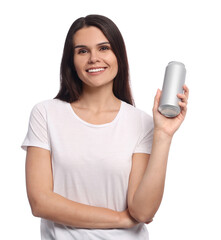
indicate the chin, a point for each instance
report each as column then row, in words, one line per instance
column 99, row 84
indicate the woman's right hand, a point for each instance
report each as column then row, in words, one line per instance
column 126, row 220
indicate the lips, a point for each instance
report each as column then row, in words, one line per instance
column 95, row 70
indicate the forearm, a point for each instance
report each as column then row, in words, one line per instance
column 149, row 193
column 58, row 209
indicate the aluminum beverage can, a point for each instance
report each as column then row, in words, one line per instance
column 174, row 80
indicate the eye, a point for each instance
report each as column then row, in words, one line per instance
column 104, row 48
column 82, row 51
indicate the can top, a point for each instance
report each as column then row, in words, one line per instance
column 175, row 62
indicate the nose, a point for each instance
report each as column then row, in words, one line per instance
column 93, row 57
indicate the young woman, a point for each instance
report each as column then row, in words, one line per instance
column 96, row 165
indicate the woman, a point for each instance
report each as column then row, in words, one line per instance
column 89, row 171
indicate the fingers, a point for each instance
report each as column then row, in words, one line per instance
column 186, row 90
column 157, row 100
column 185, row 95
column 184, row 98
column 149, row 221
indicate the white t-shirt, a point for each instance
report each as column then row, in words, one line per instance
column 91, row 163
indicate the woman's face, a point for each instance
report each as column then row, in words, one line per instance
column 94, row 60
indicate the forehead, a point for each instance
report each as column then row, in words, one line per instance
column 89, row 36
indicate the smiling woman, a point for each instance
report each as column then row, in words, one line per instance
column 96, row 165
column 94, row 61
column 109, row 39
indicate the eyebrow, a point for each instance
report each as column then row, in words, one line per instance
column 82, row 46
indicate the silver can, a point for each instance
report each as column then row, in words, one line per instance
column 174, row 80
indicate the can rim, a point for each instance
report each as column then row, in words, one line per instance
column 176, row 62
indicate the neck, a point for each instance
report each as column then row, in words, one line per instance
column 98, row 98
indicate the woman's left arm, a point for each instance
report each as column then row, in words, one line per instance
column 147, row 178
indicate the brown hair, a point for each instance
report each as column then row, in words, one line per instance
column 70, row 83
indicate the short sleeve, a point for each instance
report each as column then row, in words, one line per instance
column 144, row 143
column 37, row 135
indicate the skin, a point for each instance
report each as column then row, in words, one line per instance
column 145, row 193
column 92, row 50
column 98, row 105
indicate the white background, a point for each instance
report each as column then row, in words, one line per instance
column 155, row 32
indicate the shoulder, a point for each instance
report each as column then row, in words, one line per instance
column 137, row 113
column 48, row 104
column 46, row 107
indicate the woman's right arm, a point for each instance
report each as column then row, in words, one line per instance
column 52, row 206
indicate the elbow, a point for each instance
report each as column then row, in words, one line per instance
column 145, row 219
column 140, row 216
column 37, row 205
column 35, row 211
column 35, row 208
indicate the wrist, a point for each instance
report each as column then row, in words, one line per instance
column 125, row 220
column 121, row 220
column 162, row 136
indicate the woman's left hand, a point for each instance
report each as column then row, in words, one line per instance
column 170, row 125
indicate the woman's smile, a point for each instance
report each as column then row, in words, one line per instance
column 96, row 71
column 94, row 60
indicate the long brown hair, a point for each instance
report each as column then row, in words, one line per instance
column 70, row 84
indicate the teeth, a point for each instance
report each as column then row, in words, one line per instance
column 96, row 70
